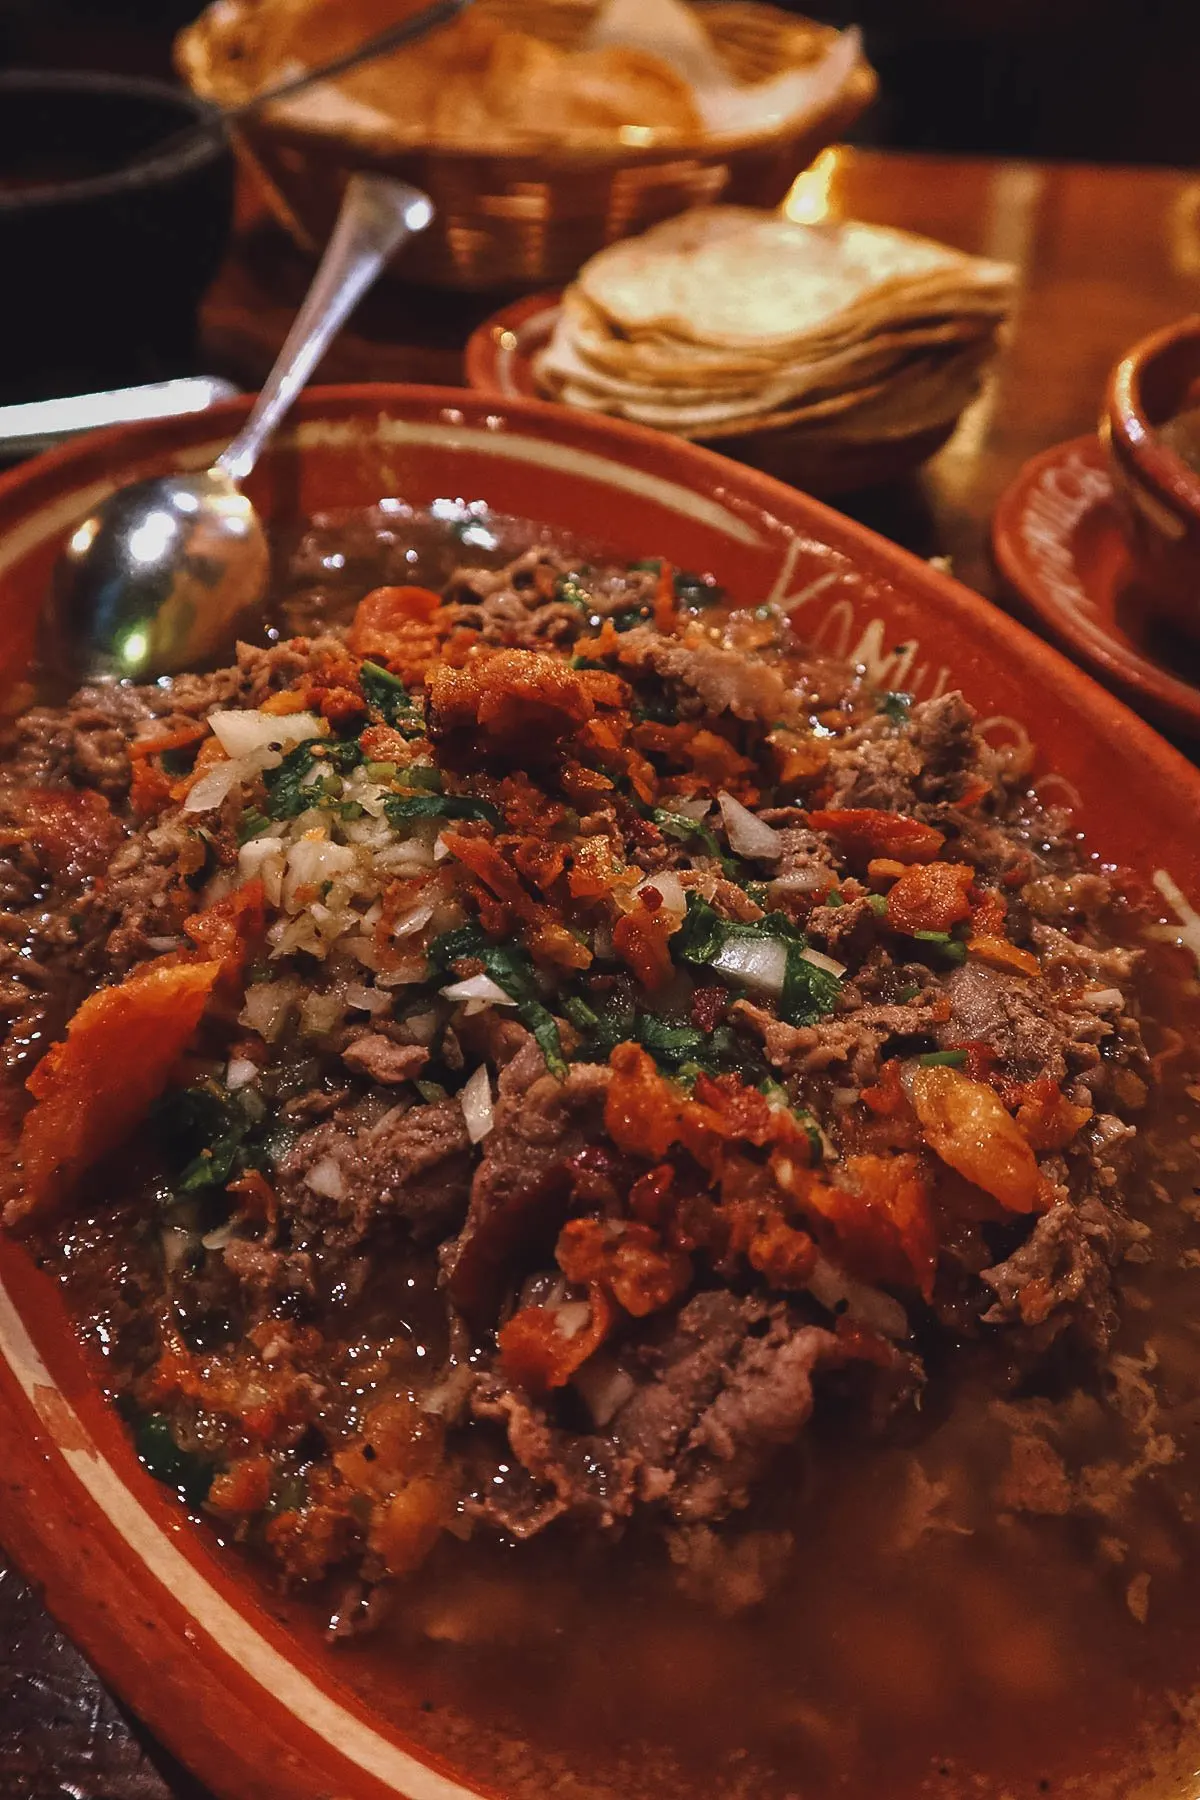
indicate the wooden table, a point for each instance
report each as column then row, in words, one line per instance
column 1105, row 256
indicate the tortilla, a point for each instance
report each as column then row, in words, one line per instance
column 737, row 279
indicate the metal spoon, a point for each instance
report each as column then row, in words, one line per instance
column 158, row 578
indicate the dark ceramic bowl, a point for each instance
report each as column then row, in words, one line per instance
column 113, row 218
column 1158, row 494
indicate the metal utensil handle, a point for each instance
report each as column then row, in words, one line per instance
column 427, row 19
column 377, row 215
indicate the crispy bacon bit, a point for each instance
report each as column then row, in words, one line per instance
column 538, row 1355
column 160, row 742
column 784, row 1255
column 640, row 939
column 92, row 1089
column 243, row 1488
column 596, row 869
column 887, row 1097
column 998, row 953
column 518, row 705
column 930, row 897
column 797, row 758
column 628, row 1260
column 878, row 1220
column 989, row 913
column 73, row 831
column 401, row 627
column 643, row 1111
column 258, row 1197
column 863, row 832
column 967, row 1124
column 149, row 788
column 1048, row 1119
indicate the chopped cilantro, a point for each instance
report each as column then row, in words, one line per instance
column 569, row 592
column 670, row 1045
column 289, row 793
column 949, row 948
column 697, row 591
column 401, row 809
column 511, row 969
column 682, row 828
column 629, row 617
column 587, row 662
column 943, row 1059
column 896, row 706
column 212, row 1133
column 154, row 1443
column 834, row 898
column 387, row 695
column 809, row 992
column 651, row 565
column 877, row 904
column 421, row 775
column 700, row 937
column 431, row 1091
column 251, row 825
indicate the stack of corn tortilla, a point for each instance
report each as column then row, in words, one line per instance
column 727, row 320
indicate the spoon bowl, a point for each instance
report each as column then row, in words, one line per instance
column 157, row 579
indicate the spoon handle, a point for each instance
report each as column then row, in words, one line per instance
column 377, row 215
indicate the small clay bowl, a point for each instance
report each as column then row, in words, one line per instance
column 1157, row 493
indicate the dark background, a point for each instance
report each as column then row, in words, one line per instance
column 1101, row 80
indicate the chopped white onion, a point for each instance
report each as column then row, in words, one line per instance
column 162, row 946
column 448, row 1396
column 865, row 1305
column 605, row 1388
column 480, row 989
column 1100, row 999
column 413, row 921
column 669, row 889
column 246, row 732
column 262, row 858
column 759, row 963
column 475, row 1098
column 207, row 793
column 268, row 1005
column 177, row 1245
column 820, row 961
column 312, row 862
column 747, row 835
column 441, row 848
column 572, row 1316
column 326, row 1178
column 812, row 878
column 691, row 809
column 366, row 999
column 217, row 1240
column 240, row 1072
column 844, row 1096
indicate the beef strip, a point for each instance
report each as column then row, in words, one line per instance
column 412, row 1168
column 522, row 1184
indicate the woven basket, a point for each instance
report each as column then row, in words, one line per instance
column 519, row 219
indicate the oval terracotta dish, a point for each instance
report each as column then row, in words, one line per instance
column 1059, row 542
column 244, row 1692
column 499, row 360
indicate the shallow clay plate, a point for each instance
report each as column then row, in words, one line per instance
column 499, row 360
column 240, row 1688
column 1058, row 541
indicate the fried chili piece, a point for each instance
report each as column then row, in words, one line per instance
column 92, row 1089
column 242, row 1489
column 538, row 1355
column 225, row 931
column 863, row 832
column 930, row 897
column 968, row 1126
column 545, row 934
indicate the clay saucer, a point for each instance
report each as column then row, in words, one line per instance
column 1058, row 542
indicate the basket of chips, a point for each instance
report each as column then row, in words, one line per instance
column 542, row 129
